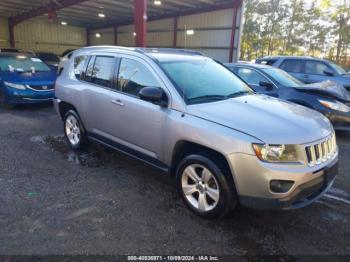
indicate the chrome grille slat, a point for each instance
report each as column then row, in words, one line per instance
column 321, row 152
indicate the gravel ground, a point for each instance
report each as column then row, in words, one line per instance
column 53, row 201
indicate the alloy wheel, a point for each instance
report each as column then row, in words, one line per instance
column 200, row 187
column 72, row 130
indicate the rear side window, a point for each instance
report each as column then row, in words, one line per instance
column 102, row 72
column 79, row 65
column 292, row 66
column 133, row 76
column 316, row 68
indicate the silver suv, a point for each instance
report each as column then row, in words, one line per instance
column 188, row 115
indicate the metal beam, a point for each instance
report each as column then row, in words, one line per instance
column 236, row 6
column 115, row 35
column 87, row 37
column 212, row 8
column 175, row 32
column 53, row 6
column 11, row 33
column 140, row 21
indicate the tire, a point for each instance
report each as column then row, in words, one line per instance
column 3, row 102
column 74, row 131
column 213, row 195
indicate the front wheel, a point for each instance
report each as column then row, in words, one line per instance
column 74, row 131
column 3, row 102
column 204, row 187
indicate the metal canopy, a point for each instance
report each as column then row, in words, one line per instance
column 84, row 13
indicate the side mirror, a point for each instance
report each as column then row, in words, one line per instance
column 328, row 73
column 154, row 95
column 268, row 85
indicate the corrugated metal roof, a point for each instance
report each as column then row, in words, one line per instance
column 86, row 13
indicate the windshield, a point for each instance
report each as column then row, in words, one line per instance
column 338, row 69
column 202, row 80
column 22, row 63
column 282, row 77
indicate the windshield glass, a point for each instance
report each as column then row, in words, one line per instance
column 338, row 69
column 282, row 77
column 202, row 80
column 22, row 63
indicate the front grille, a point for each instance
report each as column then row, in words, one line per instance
column 42, row 87
column 320, row 153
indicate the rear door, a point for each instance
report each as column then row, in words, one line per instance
column 98, row 92
column 295, row 67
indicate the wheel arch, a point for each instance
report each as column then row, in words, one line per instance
column 64, row 107
column 185, row 148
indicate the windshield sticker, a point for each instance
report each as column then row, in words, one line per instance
column 35, row 59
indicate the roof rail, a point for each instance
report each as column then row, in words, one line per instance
column 146, row 49
column 171, row 50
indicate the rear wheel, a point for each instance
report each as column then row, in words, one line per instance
column 204, row 187
column 74, row 131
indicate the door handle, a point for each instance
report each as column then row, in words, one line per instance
column 306, row 76
column 118, row 102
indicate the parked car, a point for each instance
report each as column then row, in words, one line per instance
column 51, row 59
column 16, row 50
column 63, row 61
column 327, row 97
column 190, row 116
column 25, row 79
column 66, row 52
column 309, row 70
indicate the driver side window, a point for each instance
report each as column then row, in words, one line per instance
column 133, row 76
column 251, row 76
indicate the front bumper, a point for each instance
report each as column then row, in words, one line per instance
column 252, row 179
column 28, row 96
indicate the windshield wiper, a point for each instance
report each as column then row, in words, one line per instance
column 206, row 98
column 240, row 93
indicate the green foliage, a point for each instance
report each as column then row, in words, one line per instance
column 297, row 27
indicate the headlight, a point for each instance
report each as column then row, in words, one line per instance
column 276, row 153
column 17, row 86
column 335, row 105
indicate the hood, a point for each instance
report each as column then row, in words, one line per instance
column 329, row 88
column 271, row 120
column 27, row 78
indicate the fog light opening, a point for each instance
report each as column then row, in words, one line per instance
column 281, row 186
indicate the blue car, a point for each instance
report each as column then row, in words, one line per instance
column 327, row 97
column 308, row 69
column 25, row 79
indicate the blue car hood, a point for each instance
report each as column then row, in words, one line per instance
column 27, row 78
column 329, row 88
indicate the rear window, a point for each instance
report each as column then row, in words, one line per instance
column 49, row 57
column 266, row 61
column 79, row 65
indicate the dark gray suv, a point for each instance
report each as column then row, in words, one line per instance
column 308, row 69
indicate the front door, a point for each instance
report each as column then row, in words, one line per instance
column 257, row 81
column 133, row 122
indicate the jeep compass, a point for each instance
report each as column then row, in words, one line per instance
column 189, row 116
